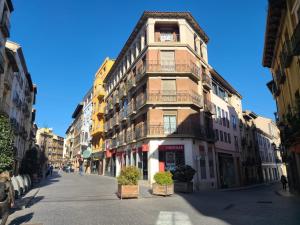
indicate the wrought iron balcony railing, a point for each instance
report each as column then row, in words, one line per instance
column 168, row 66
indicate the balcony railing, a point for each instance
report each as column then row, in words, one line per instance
column 167, row 37
column 99, row 92
column 206, row 81
column 116, row 98
column 122, row 91
column 131, row 108
column 169, row 97
column 197, row 131
column 5, row 24
column 130, row 136
column 123, row 114
column 296, row 40
column 168, row 66
column 115, row 120
column 98, row 128
column 100, row 109
column 130, row 83
column 209, row 107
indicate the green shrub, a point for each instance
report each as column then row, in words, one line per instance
column 129, row 176
column 183, row 173
column 6, row 144
column 163, row 178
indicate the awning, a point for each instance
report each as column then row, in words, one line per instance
column 98, row 155
column 87, row 153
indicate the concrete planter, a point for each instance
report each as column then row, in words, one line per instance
column 128, row 191
column 164, row 190
column 183, row 187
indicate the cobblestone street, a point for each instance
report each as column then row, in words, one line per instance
column 91, row 199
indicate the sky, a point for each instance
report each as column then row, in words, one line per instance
column 65, row 42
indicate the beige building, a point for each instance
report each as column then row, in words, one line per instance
column 51, row 144
column 155, row 115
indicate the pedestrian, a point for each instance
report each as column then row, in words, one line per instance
column 51, row 170
column 284, row 181
column 80, row 167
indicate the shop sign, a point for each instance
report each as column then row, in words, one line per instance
column 171, row 147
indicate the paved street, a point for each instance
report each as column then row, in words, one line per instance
column 73, row 199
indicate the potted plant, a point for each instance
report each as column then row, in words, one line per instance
column 183, row 176
column 163, row 184
column 128, row 182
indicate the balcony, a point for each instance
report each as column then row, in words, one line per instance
column 186, row 130
column 170, row 98
column 167, row 37
column 99, row 92
column 97, row 129
column 209, row 107
column 5, row 24
column 130, row 83
column 99, row 110
column 115, row 99
column 121, row 139
column 296, row 40
column 274, row 89
column 168, row 67
column 130, row 136
column 123, row 114
column 131, row 108
column 286, row 55
column 122, row 91
column 206, row 81
column 115, row 120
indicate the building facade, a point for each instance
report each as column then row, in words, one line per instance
column 154, row 116
column 98, row 145
column 227, row 103
column 281, row 55
column 50, row 144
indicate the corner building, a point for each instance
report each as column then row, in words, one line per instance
column 155, row 114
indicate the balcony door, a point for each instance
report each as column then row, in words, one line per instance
column 167, row 61
column 168, row 91
column 170, row 124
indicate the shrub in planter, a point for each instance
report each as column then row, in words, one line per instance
column 128, row 182
column 163, row 184
column 183, row 176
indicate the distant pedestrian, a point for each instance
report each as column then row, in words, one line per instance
column 51, row 170
column 284, row 181
column 80, row 167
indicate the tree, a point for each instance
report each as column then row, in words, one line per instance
column 6, row 144
column 30, row 163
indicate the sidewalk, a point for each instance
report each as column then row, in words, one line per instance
column 23, row 202
column 285, row 193
column 248, row 187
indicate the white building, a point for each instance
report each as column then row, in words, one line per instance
column 86, row 125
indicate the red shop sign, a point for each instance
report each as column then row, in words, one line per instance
column 108, row 154
column 171, row 147
column 144, row 148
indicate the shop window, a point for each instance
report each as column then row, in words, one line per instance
column 169, row 124
column 202, row 163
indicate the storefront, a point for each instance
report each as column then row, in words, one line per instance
column 97, row 163
column 226, row 170
column 110, row 163
column 170, row 156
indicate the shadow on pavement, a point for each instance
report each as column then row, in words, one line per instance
column 21, row 219
column 50, row 179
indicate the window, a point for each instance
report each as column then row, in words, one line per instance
column 221, row 93
column 169, row 124
column 233, row 122
column 229, row 139
column 236, row 144
column 223, row 118
column 225, row 137
column 202, row 162
column 169, row 86
column 219, row 115
column 217, row 134
column 215, row 88
column 211, row 163
column 167, row 62
column 221, row 135
column 227, row 119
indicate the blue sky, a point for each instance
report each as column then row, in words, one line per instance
column 65, row 41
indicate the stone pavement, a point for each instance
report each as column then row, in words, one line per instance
column 72, row 199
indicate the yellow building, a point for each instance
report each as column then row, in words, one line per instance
column 98, row 117
column 281, row 55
